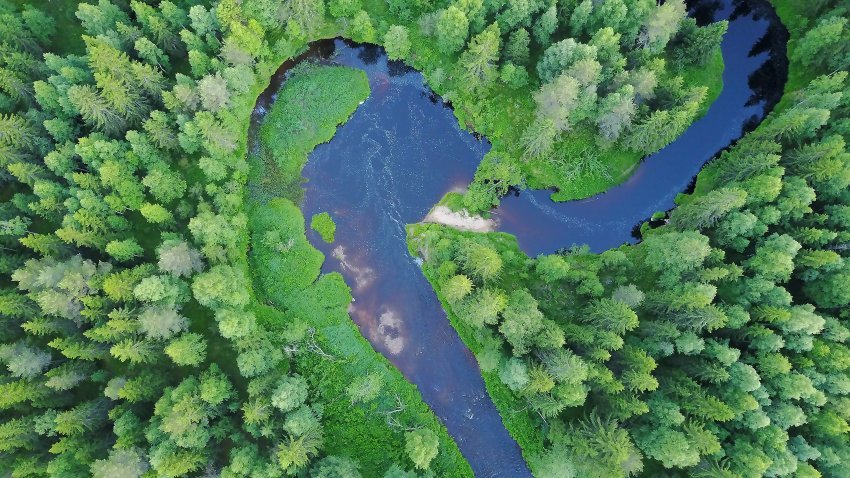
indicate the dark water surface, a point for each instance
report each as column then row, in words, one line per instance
column 402, row 150
column 753, row 52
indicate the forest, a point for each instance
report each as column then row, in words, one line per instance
column 165, row 314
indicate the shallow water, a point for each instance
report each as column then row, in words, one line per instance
column 402, row 150
column 751, row 82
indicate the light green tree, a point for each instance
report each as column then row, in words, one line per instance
column 452, row 30
column 397, row 42
column 422, row 446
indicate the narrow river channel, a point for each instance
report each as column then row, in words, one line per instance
column 402, row 150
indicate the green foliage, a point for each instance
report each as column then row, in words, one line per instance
column 517, row 50
column 457, row 287
column 188, row 349
column 709, row 338
column 514, row 76
column 125, row 250
column 663, row 126
column 397, row 42
column 295, row 125
column 693, row 45
column 452, row 29
column 480, row 59
column 335, row 467
column 361, row 28
column 365, row 388
column 156, row 323
column 367, row 403
column 493, row 179
column 825, row 44
column 341, row 363
column 421, row 446
column 344, row 8
column 281, row 257
column 290, row 393
column 324, row 225
column 137, row 208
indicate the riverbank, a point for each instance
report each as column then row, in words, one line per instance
column 790, row 14
column 753, row 49
column 376, row 175
column 524, row 425
column 608, row 166
column 291, row 189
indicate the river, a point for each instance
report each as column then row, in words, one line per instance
column 402, row 150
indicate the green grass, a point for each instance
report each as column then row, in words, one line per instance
column 294, row 300
column 452, row 200
column 315, row 100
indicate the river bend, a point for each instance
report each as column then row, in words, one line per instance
column 402, row 150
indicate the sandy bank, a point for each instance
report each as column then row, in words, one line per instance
column 459, row 220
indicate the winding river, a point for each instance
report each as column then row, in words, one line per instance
column 753, row 54
column 402, row 150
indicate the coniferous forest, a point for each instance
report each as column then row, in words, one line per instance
column 166, row 310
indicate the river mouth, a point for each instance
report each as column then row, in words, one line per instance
column 402, row 150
